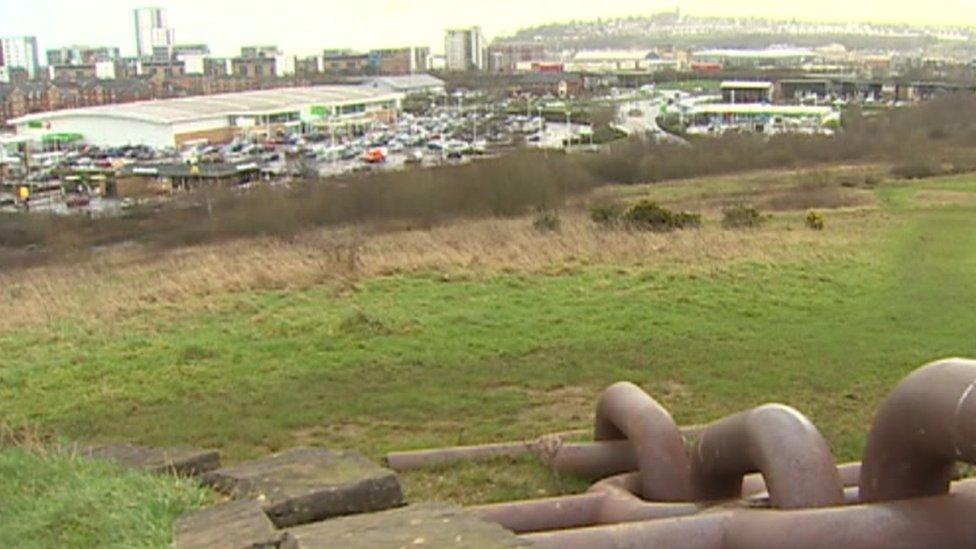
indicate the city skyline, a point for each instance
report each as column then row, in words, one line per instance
column 394, row 22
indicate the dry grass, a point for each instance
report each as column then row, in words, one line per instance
column 133, row 280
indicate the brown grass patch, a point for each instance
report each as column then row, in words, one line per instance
column 130, row 281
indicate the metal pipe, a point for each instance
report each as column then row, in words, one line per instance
column 925, row 426
column 545, row 514
column 612, row 501
column 624, row 411
column 699, row 532
column 777, row 441
column 941, row 521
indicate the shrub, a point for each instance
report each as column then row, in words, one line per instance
column 650, row 216
column 917, row 168
column 547, row 222
column 815, row 220
column 741, row 216
column 606, row 214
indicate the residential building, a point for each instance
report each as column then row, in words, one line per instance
column 151, row 31
column 82, row 55
column 506, row 57
column 311, row 65
column 465, row 50
column 254, row 68
column 217, row 68
column 19, row 52
column 260, row 52
column 345, row 62
column 399, row 60
column 161, row 70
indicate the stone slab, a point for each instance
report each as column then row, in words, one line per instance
column 305, row 485
column 418, row 526
column 235, row 525
column 181, row 460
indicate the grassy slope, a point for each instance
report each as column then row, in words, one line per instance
column 418, row 361
column 60, row 501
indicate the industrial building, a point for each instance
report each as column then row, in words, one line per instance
column 216, row 118
column 413, row 84
column 747, row 92
column 772, row 58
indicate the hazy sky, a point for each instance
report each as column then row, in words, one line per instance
column 305, row 27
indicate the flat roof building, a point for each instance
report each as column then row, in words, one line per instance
column 413, row 84
column 214, row 118
column 772, row 58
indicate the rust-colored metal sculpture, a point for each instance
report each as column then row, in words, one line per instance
column 764, row 478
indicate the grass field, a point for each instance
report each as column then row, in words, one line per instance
column 52, row 500
column 493, row 331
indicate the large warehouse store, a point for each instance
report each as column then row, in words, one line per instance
column 214, row 118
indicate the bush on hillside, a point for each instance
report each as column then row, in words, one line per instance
column 741, row 216
column 815, row 220
column 547, row 222
column 606, row 214
column 917, row 168
column 651, row 216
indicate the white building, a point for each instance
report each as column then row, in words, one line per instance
column 214, row 118
column 152, row 32
column 413, row 84
column 19, row 52
column 465, row 50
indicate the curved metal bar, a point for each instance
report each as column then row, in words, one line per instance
column 624, row 411
column 925, row 426
column 777, row 441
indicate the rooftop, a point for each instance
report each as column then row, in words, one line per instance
column 774, row 53
column 169, row 111
column 745, row 85
column 612, row 55
column 406, row 82
column 760, row 109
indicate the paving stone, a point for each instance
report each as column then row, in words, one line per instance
column 181, row 460
column 305, row 485
column 424, row 525
column 235, row 525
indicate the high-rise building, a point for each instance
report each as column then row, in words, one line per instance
column 19, row 52
column 465, row 50
column 152, row 32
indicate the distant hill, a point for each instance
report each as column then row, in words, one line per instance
column 672, row 28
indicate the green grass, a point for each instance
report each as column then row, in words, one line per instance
column 60, row 501
column 421, row 361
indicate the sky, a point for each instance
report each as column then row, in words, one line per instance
column 304, row 27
